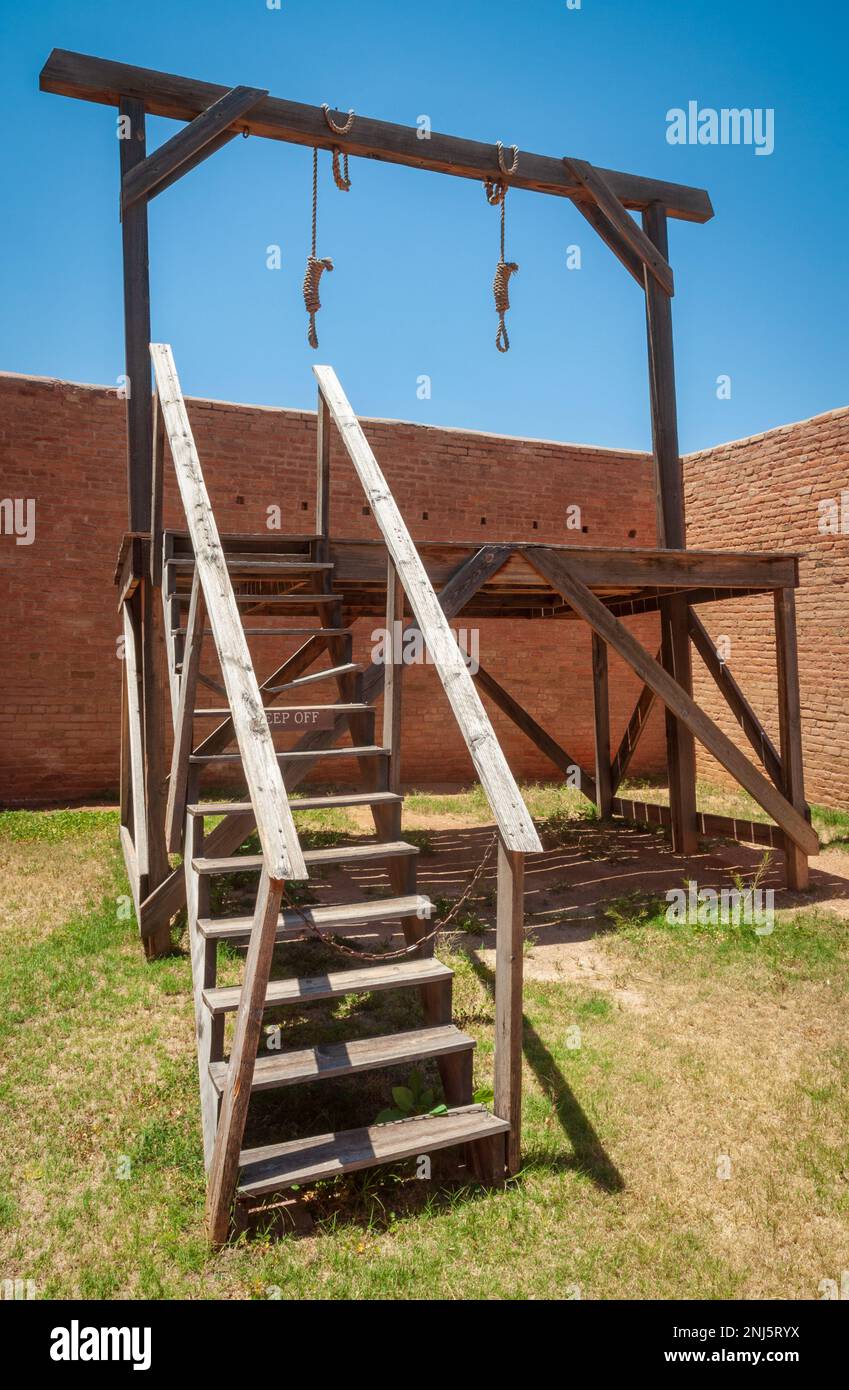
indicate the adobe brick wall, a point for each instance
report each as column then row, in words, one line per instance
column 63, row 445
column 763, row 493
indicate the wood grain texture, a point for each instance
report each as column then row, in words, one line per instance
column 275, row 827
column 624, row 227
column 182, row 98
column 505, row 799
column 790, row 728
column 183, row 722
column 239, row 1070
column 322, row 1156
column 199, row 139
column 601, row 726
column 510, row 924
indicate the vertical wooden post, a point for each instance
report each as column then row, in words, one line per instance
column 394, row 669
column 209, row 1029
column 508, row 999
column 237, row 1089
column 671, row 532
column 184, row 721
column 790, row 728
column 136, row 325
column 141, row 497
column 157, row 487
column 322, row 490
column 601, row 706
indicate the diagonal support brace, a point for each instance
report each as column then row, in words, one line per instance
column 624, row 236
column 208, row 132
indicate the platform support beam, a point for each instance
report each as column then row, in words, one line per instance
column 671, row 534
column 601, row 708
column 790, row 728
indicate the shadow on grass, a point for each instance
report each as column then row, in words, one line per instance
column 588, row 1153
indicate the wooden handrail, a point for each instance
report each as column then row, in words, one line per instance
column 277, row 834
column 512, row 817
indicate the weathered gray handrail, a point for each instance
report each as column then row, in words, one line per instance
column 277, row 834
column 512, row 817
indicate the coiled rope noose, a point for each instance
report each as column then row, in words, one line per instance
column 496, row 194
column 315, row 267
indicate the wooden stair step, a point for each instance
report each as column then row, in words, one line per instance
column 338, row 918
column 281, row 600
column 275, row 1069
column 278, row 632
column 261, row 563
column 336, row 854
column 398, row 974
column 365, row 751
column 223, row 713
column 301, row 803
column 299, row 1161
column 349, row 668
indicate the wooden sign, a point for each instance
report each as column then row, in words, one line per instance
column 302, row 720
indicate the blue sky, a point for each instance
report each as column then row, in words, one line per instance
column 761, row 290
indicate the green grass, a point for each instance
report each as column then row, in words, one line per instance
column 737, row 1048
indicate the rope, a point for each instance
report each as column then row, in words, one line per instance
column 441, row 925
column 499, row 150
column 501, row 283
column 496, row 196
column 496, row 189
column 342, row 180
column 315, row 267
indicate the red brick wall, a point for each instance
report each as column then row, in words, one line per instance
column 63, row 445
column 764, row 493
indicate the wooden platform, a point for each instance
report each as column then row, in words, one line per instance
column 627, row 580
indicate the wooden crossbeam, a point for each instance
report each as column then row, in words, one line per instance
column 620, row 228
column 208, row 132
column 736, row 701
column 677, row 701
column 534, row 731
column 183, row 98
column 632, row 735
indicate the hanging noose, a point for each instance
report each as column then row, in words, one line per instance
column 496, row 195
column 315, row 267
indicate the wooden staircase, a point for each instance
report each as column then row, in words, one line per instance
column 271, row 583
column 252, row 596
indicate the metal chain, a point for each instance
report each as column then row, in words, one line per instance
column 441, row 925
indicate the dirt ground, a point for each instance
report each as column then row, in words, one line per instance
column 568, row 887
